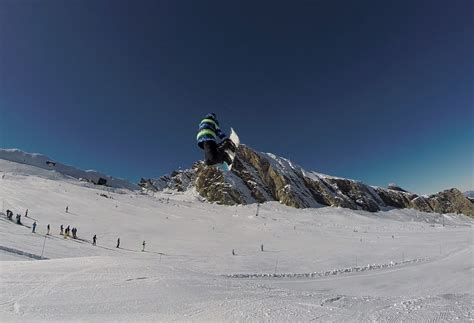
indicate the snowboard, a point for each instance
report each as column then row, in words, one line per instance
column 230, row 151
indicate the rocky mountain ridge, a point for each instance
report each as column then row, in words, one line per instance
column 258, row 177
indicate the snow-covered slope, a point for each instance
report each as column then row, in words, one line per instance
column 49, row 164
column 324, row 264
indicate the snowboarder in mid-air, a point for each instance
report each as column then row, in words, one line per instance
column 215, row 154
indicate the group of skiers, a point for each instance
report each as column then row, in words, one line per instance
column 62, row 231
column 65, row 232
column 10, row 217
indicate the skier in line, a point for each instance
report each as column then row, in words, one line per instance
column 61, row 228
column 34, row 227
column 47, row 228
column 208, row 132
column 143, row 245
column 118, row 243
column 94, row 240
column 67, row 209
column 26, row 213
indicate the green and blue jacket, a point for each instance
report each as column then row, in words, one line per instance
column 209, row 130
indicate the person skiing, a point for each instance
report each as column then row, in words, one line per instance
column 61, row 228
column 34, row 227
column 48, row 227
column 118, row 243
column 143, row 249
column 208, row 133
column 94, row 240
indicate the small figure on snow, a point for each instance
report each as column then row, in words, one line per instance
column 34, row 227
column 61, row 228
column 261, row 247
column 208, row 132
column 118, row 243
column 67, row 209
column 26, row 213
column 47, row 228
column 18, row 219
column 143, row 249
column 233, row 252
column 94, row 240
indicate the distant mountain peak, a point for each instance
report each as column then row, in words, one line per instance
column 469, row 194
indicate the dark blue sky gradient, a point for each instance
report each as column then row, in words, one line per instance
column 379, row 91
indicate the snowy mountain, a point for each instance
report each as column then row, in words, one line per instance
column 469, row 194
column 260, row 177
column 44, row 162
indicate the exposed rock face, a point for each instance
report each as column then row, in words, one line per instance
column 451, row 201
column 259, row 177
column 423, row 204
column 395, row 198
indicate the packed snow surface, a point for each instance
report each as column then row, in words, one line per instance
column 324, row 264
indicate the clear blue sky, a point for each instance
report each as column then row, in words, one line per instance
column 379, row 91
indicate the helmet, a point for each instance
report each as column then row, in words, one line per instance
column 211, row 116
